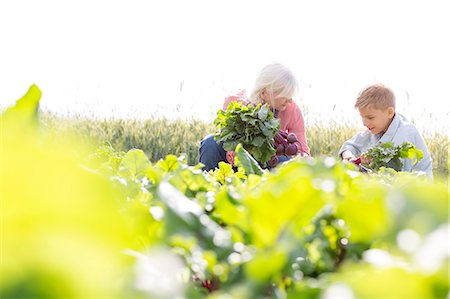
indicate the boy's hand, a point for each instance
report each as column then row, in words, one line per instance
column 357, row 161
column 230, row 157
column 364, row 160
column 348, row 156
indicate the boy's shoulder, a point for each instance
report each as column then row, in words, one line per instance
column 404, row 125
column 403, row 130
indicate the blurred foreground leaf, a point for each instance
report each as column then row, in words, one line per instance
column 62, row 235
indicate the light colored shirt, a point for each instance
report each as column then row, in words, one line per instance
column 291, row 120
column 399, row 131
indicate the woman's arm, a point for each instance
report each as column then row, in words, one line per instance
column 238, row 97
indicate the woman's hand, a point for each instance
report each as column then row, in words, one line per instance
column 230, row 157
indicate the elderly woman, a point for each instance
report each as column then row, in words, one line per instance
column 276, row 86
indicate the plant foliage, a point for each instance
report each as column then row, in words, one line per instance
column 116, row 225
column 390, row 156
column 253, row 126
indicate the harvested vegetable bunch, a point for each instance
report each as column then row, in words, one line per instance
column 388, row 155
column 253, row 126
column 284, row 145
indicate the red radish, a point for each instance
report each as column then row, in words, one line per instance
column 291, row 149
column 357, row 161
column 291, row 138
column 283, row 133
column 280, row 139
column 210, row 284
column 273, row 161
column 280, row 149
column 277, row 138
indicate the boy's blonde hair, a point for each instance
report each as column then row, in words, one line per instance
column 277, row 80
column 376, row 96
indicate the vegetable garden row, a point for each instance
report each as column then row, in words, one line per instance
column 79, row 222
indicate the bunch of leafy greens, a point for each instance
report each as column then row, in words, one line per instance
column 388, row 155
column 253, row 126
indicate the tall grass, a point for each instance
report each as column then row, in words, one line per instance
column 158, row 137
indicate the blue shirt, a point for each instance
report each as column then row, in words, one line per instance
column 400, row 130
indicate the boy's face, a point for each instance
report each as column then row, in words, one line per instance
column 377, row 120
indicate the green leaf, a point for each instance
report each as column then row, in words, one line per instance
column 258, row 141
column 388, row 144
column 266, row 131
column 263, row 112
column 266, row 264
column 28, row 104
column 387, row 155
column 25, row 111
column 135, row 163
column 225, row 170
column 245, row 160
column 230, row 145
column 365, row 281
column 170, row 163
column 365, row 212
column 228, row 211
column 252, row 126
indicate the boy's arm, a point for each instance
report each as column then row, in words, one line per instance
column 353, row 147
column 348, row 150
column 347, row 155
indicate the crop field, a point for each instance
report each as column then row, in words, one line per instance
column 158, row 137
column 113, row 209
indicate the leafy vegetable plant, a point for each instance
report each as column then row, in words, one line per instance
column 388, row 155
column 170, row 230
column 253, row 126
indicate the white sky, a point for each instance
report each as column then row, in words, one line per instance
column 131, row 57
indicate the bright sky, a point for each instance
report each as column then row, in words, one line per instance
column 140, row 58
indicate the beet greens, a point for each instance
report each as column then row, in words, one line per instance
column 253, row 126
column 388, row 155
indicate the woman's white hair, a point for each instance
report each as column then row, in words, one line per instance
column 277, row 80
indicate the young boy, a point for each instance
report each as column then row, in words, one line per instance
column 376, row 105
